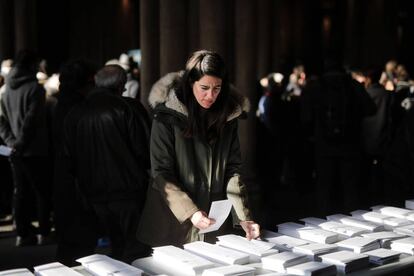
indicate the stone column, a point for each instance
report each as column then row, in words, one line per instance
column 6, row 29
column 25, row 19
column 173, row 35
column 213, row 26
column 245, row 41
column 264, row 37
column 150, row 49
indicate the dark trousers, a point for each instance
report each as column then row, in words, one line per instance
column 338, row 184
column 31, row 178
column 121, row 219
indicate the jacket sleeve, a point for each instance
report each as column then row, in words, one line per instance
column 163, row 167
column 5, row 130
column 36, row 104
column 236, row 189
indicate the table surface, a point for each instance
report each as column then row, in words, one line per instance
column 153, row 267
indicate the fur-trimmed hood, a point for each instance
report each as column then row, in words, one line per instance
column 161, row 94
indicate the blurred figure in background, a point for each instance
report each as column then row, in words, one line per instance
column 23, row 128
column 106, row 148
column 335, row 105
column 376, row 135
column 388, row 76
column 75, row 225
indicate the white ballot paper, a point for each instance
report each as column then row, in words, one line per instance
column 219, row 211
column 5, row 151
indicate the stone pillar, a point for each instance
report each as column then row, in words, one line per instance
column 264, row 37
column 150, row 49
column 25, row 19
column 213, row 26
column 6, row 29
column 173, row 35
column 245, row 76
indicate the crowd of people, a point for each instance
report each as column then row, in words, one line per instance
column 345, row 136
column 86, row 156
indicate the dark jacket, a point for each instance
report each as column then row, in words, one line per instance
column 333, row 103
column 106, row 145
column 376, row 128
column 23, row 114
column 188, row 173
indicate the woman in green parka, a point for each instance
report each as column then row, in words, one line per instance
column 195, row 154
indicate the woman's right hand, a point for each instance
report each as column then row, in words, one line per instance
column 201, row 221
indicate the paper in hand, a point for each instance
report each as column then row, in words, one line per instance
column 5, row 151
column 219, row 211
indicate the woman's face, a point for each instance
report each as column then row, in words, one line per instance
column 206, row 90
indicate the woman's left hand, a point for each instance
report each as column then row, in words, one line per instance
column 251, row 228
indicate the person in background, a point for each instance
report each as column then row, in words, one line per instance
column 23, row 128
column 74, row 221
column 195, row 155
column 105, row 141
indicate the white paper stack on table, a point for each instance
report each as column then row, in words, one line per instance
column 309, row 233
column 255, row 248
column 315, row 249
column 279, row 262
column 186, row 262
column 407, row 230
column 312, row 268
column 346, row 261
column 16, row 272
column 409, row 204
column 382, row 256
column 217, row 253
column 348, row 220
column 393, row 211
column 102, row 265
column 359, row 244
column 405, row 245
column 283, row 242
column 231, row 270
column 55, row 269
column 389, row 222
column 384, row 237
column 343, row 230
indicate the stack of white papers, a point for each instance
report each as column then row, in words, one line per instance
column 405, row 230
column 217, row 253
column 315, row 249
column 346, row 261
column 231, row 270
column 409, row 204
column 393, row 211
column 16, row 272
column 252, row 247
column 102, row 265
column 405, row 245
column 309, row 233
column 388, row 221
column 359, row 244
column 382, row 256
column 345, row 230
column 188, row 263
column 312, row 268
column 279, row 262
column 384, row 237
column 286, row 243
column 55, row 269
column 347, row 220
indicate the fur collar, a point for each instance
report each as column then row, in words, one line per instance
column 161, row 94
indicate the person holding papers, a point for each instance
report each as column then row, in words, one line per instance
column 195, row 153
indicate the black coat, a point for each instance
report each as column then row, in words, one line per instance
column 106, row 147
